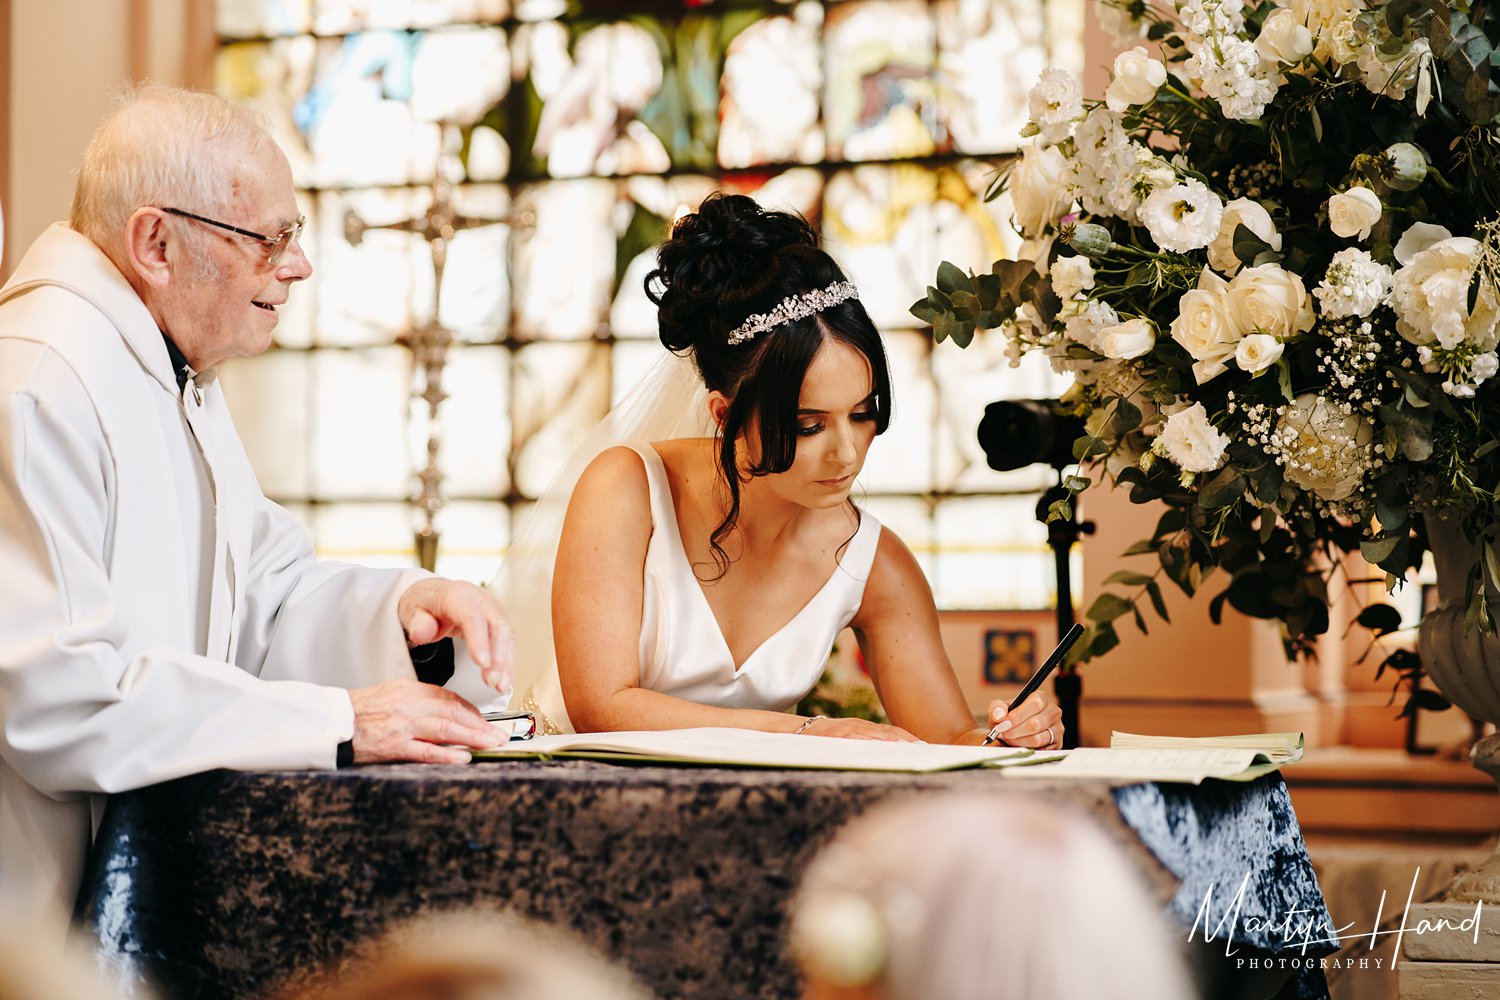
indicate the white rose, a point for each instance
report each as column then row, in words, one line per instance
column 1127, row 340
column 1354, row 213
column 1284, row 39
column 1257, row 351
column 1240, row 212
column 1205, row 326
column 1431, row 298
column 1039, row 189
column 1342, row 40
column 1072, row 276
column 1055, row 103
column 1137, row 79
column 1191, row 442
column 1270, row 299
column 1419, row 237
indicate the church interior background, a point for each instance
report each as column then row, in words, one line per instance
column 536, row 150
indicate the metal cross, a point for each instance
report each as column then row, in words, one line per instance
column 430, row 341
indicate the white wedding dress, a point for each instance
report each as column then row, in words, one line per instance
column 682, row 650
column 684, row 654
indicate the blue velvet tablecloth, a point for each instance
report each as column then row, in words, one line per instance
column 221, row 884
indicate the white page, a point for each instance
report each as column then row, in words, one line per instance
column 1157, row 764
column 745, row 747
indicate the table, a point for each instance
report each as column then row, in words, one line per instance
column 217, row 885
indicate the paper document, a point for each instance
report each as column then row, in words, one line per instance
column 748, row 748
column 1279, row 748
column 1190, row 764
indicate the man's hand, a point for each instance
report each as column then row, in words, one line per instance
column 435, row 609
column 408, row 720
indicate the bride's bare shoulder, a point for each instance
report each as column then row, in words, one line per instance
column 618, row 468
column 685, row 458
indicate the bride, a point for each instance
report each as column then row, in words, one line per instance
column 701, row 580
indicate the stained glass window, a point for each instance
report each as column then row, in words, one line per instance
column 484, row 182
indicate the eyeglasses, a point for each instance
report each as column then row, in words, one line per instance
column 276, row 246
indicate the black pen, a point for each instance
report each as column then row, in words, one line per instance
column 1035, row 682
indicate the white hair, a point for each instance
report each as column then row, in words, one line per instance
column 166, row 147
column 969, row 897
column 473, row 953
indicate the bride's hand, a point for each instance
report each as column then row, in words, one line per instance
column 1035, row 723
column 858, row 729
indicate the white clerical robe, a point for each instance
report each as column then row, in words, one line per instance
column 158, row 615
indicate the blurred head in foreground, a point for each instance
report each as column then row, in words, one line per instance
column 978, row 897
column 38, row 964
column 472, row 954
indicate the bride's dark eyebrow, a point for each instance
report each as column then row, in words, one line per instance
column 805, row 412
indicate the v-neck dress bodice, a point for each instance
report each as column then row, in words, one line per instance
column 682, row 650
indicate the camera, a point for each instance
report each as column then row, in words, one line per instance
column 1016, row 433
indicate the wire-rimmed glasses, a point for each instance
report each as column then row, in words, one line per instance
column 276, row 246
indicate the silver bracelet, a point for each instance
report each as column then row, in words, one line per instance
column 808, row 723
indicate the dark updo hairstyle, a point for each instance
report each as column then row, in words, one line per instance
column 733, row 259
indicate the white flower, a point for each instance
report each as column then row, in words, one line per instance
column 1240, row 212
column 1231, row 71
column 1431, row 298
column 1191, row 442
column 1137, row 79
column 1283, row 38
column 1417, row 238
column 1100, row 170
column 1270, row 299
column 1184, row 216
column 1343, row 42
column 1039, row 188
column 1323, row 446
column 1392, row 74
column 1072, row 276
column 1127, row 340
column 1354, row 213
column 1257, row 351
column 1484, row 366
column 1205, row 327
column 1355, row 284
column 1323, row 18
column 1055, row 103
column 1083, row 328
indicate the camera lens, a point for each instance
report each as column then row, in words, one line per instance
column 1016, row 433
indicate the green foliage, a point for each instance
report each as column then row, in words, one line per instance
column 1347, row 420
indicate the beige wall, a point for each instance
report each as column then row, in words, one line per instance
column 65, row 59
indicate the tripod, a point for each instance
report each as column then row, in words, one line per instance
column 1062, row 535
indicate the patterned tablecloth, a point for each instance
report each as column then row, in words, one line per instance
column 220, row 884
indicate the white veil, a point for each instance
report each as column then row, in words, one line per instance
column 668, row 402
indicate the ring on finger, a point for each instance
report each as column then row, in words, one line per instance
column 1050, row 738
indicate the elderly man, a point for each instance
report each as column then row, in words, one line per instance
column 158, row 615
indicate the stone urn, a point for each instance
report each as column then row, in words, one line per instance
column 1465, row 667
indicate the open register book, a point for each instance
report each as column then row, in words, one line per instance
column 1131, row 757
column 746, row 748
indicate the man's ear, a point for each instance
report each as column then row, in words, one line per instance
column 148, row 246
column 718, row 408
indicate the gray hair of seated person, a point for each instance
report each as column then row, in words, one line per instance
column 469, row 954
column 165, row 147
column 976, row 897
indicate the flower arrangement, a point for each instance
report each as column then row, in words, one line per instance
column 1269, row 257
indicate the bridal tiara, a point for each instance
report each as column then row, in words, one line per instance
column 794, row 307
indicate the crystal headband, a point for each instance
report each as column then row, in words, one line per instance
column 794, row 307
